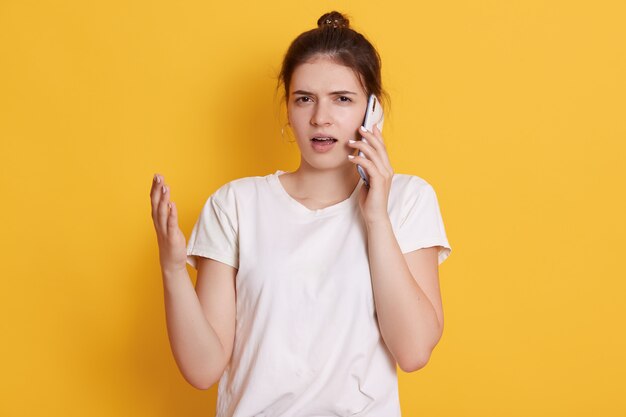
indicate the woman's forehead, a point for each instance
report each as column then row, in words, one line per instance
column 324, row 76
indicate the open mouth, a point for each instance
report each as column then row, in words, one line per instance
column 322, row 144
column 324, row 140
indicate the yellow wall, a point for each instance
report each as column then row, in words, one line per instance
column 514, row 111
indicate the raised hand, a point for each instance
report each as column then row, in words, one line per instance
column 373, row 200
column 171, row 240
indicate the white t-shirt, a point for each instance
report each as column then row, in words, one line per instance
column 307, row 341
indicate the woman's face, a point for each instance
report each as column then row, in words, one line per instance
column 326, row 106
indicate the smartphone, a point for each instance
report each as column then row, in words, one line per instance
column 373, row 116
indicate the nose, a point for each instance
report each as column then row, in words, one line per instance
column 321, row 114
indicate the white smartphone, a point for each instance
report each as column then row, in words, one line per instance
column 373, row 116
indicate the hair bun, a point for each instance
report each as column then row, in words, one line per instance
column 334, row 20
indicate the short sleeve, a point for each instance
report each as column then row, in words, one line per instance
column 421, row 225
column 215, row 234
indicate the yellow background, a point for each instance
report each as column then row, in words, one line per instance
column 513, row 111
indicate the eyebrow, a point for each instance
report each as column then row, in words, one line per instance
column 307, row 93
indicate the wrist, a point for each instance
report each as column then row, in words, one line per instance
column 378, row 222
column 173, row 272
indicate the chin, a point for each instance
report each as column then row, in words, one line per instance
column 328, row 163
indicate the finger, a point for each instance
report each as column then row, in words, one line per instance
column 369, row 152
column 163, row 209
column 155, row 194
column 375, row 139
column 366, row 164
column 172, row 219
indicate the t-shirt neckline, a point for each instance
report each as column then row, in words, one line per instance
column 297, row 206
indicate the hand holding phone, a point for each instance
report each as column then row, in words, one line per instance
column 373, row 116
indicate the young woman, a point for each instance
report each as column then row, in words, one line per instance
column 311, row 286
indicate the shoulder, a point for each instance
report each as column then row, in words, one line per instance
column 406, row 187
column 406, row 180
column 238, row 191
column 241, row 187
column 410, row 194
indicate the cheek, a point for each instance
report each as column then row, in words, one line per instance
column 297, row 124
column 295, row 115
column 302, row 115
column 354, row 120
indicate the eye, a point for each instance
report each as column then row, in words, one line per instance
column 344, row 99
column 303, row 99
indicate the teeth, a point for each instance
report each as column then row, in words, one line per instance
column 324, row 139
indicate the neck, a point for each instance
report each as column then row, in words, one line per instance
column 326, row 186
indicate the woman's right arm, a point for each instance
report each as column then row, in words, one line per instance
column 200, row 321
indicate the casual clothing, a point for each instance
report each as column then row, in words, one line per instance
column 307, row 341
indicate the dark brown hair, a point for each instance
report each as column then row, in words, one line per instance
column 333, row 38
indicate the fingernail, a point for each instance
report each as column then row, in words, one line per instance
column 163, row 188
column 363, row 129
column 352, row 141
column 157, row 179
column 350, row 156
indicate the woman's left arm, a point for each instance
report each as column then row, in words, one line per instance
column 406, row 286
